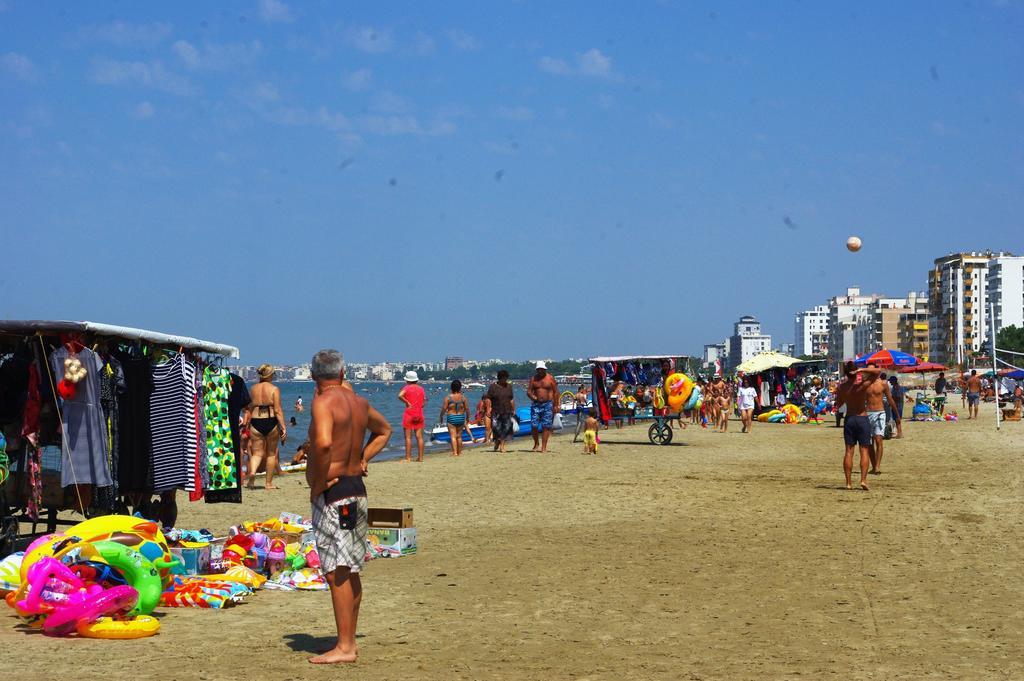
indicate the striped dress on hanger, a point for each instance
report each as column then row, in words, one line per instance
column 172, row 418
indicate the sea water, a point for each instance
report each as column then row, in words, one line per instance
column 384, row 398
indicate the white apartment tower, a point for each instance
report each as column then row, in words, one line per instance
column 811, row 332
column 1004, row 287
column 746, row 341
column 958, row 305
column 843, row 314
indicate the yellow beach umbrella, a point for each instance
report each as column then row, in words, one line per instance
column 765, row 361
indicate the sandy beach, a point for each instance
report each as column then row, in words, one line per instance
column 718, row 557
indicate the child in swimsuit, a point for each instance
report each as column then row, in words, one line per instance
column 590, row 435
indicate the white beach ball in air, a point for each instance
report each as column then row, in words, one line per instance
column 853, row 244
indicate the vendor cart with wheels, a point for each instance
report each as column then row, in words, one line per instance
column 626, row 375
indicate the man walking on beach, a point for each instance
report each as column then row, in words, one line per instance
column 878, row 395
column 543, row 393
column 973, row 394
column 856, row 429
column 337, row 464
column 503, row 407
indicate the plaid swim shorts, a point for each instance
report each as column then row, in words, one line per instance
column 340, row 547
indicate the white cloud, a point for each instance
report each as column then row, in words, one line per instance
column 461, row 40
column 504, row 148
column 660, row 120
column 19, row 66
column 592, row 63
column 126, row 34
column 357, row 80
column 187, row 53
column 149, row 74
column 422, row 45
column 143, row 110
column 215, row 57
column 555, row 66
column 516, row 113
column 275, row 11
column 388, row 102
column 404, row 125
column 264, row 92
column 370, row 39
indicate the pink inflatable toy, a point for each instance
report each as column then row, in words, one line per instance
column 53, row 588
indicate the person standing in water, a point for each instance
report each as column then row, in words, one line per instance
column 338, row 462
column 265, row 421
column 414, row 398
column 298, row 404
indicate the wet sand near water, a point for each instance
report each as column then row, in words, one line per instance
column 718, row 557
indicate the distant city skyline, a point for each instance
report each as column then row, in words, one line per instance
column 540, row 179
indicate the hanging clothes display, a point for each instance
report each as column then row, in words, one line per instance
column 135, row 442
column 173, row 421
column 200, row 472
column 238, row 399
column 84, row 433
column 220, row 452
column 116, row 423
column 112, row 386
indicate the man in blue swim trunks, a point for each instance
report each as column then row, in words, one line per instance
column 856, row 429
column 543, row 393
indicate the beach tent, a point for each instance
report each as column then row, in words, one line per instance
column 766, row 361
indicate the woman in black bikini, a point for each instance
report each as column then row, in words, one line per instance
column 266, row 425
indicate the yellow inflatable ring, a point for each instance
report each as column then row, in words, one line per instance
column 108, row 627
column 678, row 387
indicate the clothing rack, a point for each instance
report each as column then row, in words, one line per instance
column 38, row 334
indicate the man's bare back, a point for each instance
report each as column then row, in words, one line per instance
column 974, row 384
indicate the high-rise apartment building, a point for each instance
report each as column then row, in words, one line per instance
column 879, row 325
column 843, row 314
column 714, row 352
column 811, row 332
column 1004, row 288
column 958, row 305
column 453, row 362
column 746, row 341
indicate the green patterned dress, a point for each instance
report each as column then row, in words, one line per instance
column 220, row 459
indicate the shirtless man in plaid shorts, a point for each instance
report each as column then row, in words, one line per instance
column 335, row 471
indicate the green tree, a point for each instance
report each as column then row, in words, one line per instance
column 1010, row 338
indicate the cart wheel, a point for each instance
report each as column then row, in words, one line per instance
column 8, row 535
column 660, row 433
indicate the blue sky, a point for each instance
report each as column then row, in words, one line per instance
column 514, row 179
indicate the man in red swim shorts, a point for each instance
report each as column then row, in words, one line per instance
column 413, row 397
